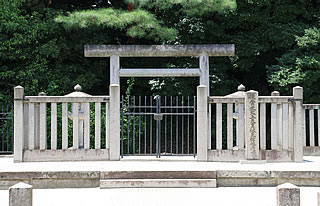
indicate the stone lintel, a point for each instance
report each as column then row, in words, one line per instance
column 158, row 50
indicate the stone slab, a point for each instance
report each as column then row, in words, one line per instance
column 237, row 155
column 65, row 155
column 158, row 183
column 288, row 194
column 20, row 194
column 159, row 175
column 253, row 161
column 158, row 50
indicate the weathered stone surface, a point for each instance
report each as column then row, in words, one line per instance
column 226, row 155
column 202, row 126
column 311, row 151
column 114, row 151
column 288, row 195
column 158, row 50
column 267, row 178
column 146, row 72
column 298, row 124
column 159, row 175
column 158, row 183
column 18, row 124
column 20, row 195
column 252, row 125
column 66, row 155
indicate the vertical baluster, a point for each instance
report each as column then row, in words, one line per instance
column 274, row 130
column 229, row 126
column 291, row 126
column 279, row 124
column 241, row 126
column 2, row 138
column 86, row 126
column 263, row 137
column 194, row 125
column 311, row 127
column 304, row 132
column 122, row 124
column 107, row 125
column 318, row 126
column 26, row 125
column 53, row 126
column 31, row 127
column 8, row 130
column 274, row 123
column 75, row 124
column 209, row 125
column 285, row 134
column 236, row 110
column 97, row 125
column 64, row 125
column 43, row 126
column 219, row 126
column 37, row 125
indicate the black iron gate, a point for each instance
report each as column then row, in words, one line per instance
column 158, row 125
column 6, row 128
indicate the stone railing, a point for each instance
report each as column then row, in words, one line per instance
column 311, row 125
column 245, row 126
column 71, row 113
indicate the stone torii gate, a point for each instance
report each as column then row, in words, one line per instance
column 117, row 51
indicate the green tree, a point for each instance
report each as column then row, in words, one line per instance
column 300, row 66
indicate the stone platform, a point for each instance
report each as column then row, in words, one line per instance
column 150, row 172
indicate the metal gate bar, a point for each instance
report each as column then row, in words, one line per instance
column 156, row 127
column 6, row 128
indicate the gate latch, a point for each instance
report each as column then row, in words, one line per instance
column 157, row 116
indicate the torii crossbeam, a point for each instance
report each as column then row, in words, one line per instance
column 117, row 51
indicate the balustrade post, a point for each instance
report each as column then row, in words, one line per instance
column 288, row 194
column 298, row 124
column 20, row 195
column 252, row 125
column 18, row 124
column 202, row 125
column 114, row 150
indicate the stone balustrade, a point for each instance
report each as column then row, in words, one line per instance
column 71, row 119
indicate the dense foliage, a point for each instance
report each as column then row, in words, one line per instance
column 277, row 44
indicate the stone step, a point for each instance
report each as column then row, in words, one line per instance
column 158, row 175
column 158, row 183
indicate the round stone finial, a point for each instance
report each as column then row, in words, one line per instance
column 241, row 87
column 77, row 88
column 42, row 94
column 275, row 93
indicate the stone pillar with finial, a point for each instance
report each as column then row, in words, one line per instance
column 239, row 116
column 81, row 112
